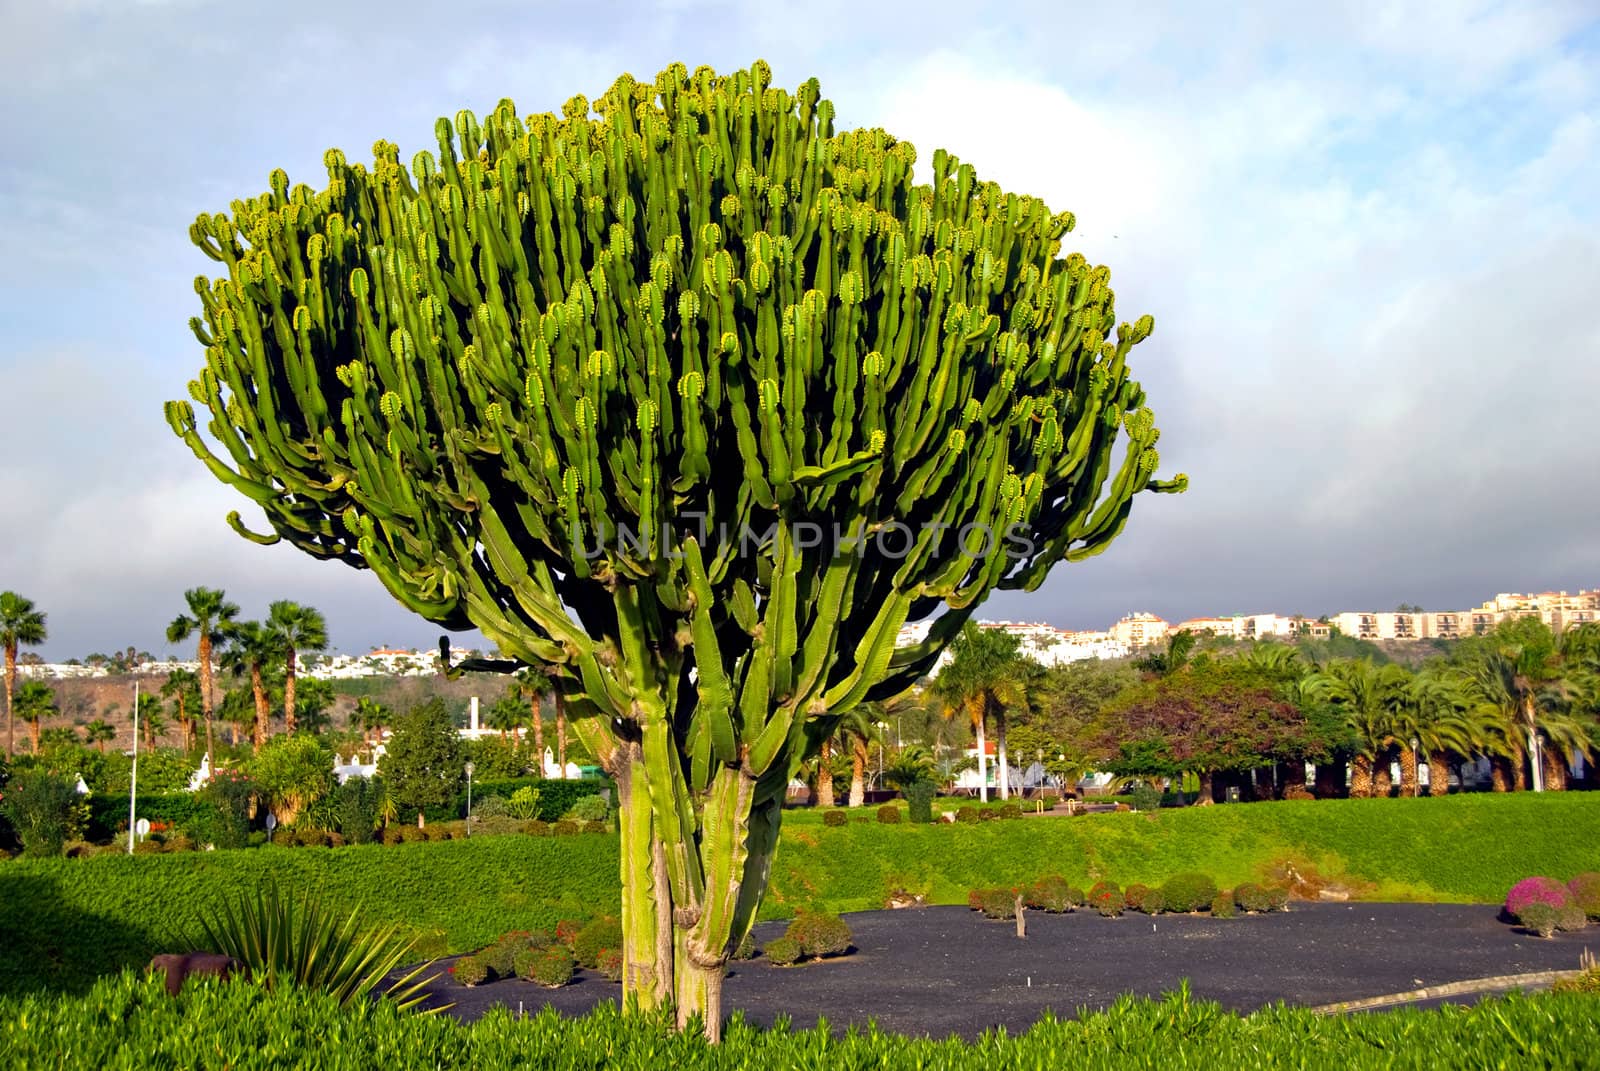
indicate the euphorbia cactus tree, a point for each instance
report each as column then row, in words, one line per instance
column 689, row 400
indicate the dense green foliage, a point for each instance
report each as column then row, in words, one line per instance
column 44, row 809
column 422, row 762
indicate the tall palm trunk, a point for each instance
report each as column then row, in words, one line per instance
column 858, row 772
column 1409, row 785
column 1519, row 771
column 975, row 708
column 534, row 703
column 11, row 691
column 1382, row 777
column 1500, row 774
column 1555, row 769
column 1361, row 777
column 1438, row 774
column 561, row 734
column 1000, row 744
column 288, row 690
column 258, row 686
column 825, row 775
column 205, row 688
column 1329, row 780
column 33, row 734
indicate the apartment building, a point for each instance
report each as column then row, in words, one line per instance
column 1141, row 630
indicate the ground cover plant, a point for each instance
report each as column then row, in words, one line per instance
column 635, row 332
column 130, row 1022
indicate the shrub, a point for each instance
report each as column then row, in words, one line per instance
column 595, row 938
column 1540, row 918
column 490, row 807
column 596, row 827
column 889, row 815
column 412, row 835
column 551, row 968
column 255, row 839
column 835, row 818
column 501, row 956
column 356, row 809
column 609, row 964
column 1277, row 898
column 522, row 960
column 1076, row 896
column 225, row 821
column 45, row 810
column 306, row 837
column 1010, row 810
column 1585, row 890
column 470, row 971
column 1153, row 903
column 967, row 814
column 567, row 931
column 1133, row 896
column 1189, row 892
column 997, row 903
column 1252, row 897
column 782, row 952
column 1222, row 907
column 589, row 809
column 536, row 827
column 391, row 835
column 1570, row 918
column 564, row 828
column 1145, row 798
column 1106, row 898
column 820, row 935
column 1535, row 890
column 919, row 801
column 180, row 842
column 746, row 948
column 524, row 803
column 1050, row 893
column 293, row 772
column 987, row 815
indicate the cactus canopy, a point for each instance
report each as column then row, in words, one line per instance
column 689, row 399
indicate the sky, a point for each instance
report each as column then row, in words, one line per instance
column 1367, row 233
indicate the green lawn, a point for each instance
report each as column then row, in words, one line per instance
column 65, row 921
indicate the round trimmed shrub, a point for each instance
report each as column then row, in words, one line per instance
column 1540, row 918
column 1010, row 810
column 1585, row 891
column 987, row 814
column 747, row 947
column 595, row 938
column 1252, row 897
column 1277, row 898
column 820, row 935
column 1571, row 919
column 412, row 835
column 835, row 818
column 502, row 955
column 470, row 971
column 967, row 814
column 589, row 809
column 596, row 826
column 1154, row 902
column 565, row 828
column 1536, row 890
column 889, row 815
column 1223, row 907
column 1133, row 896
column 1189, row 892
column 391, row 835
column 1076, row 896
column 551, row 968
column 1050, row 893
column 1106, row 898
column 522, row 962
column 536, row 827
column 997, row 903
column 782, row 952
column 567, row 931
column 919, row 801
column 609, row 964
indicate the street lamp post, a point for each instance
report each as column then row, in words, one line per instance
column 469, row 799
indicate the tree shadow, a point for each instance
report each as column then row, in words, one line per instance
column 48, row 945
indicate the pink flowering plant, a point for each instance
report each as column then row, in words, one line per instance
column 1535, row 890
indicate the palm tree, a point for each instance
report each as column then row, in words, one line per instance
column 35, row 702
column 1180, row 646
column 1445, row 727
column 294, row 628
column 1368, row 694
column 210, row 617
column 533, row 685
column 1518, row 686
column 857, row 729
column 986, row 675
column 152, row 722
column 182, row 686
column 20, row 623
column 251, row 647
column 372, row 716
column 99, row 733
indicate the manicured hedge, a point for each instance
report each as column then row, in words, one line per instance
column 107, row 813
column 65, row 921
column 130, row 1022
column 556, row 797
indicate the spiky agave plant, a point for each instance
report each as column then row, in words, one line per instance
column 299, row 940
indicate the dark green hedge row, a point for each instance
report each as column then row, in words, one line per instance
column 109, row 813
column 126, row 1022
column 63, row 922
column 555, row 797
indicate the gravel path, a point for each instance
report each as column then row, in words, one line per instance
column 945, row 970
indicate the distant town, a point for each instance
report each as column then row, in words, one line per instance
column 1046, row 643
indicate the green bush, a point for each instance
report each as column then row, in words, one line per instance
column 820, row 935
column 44, row 809
column 889, row 815
column 596, row 827
column 536, row 827
column 1145, row 798
column 596, row 937
column 1154, row 902
column 1541, row 918
column 1570, row 918
column 967, row 814
column 555, row 797
column 589, row 809
column 356, row 806
column 522, row 959
column 835, row 818
column 501, row 955
column 565, row 828
column 1223, row 907
column 1010, row 810
column 552, row 968
column 1277, row 898
column 471, row 970
column 1050, row 893
column 746, row 948
column 1133, row 896
column 486, row 807
column 987, row 814
column 1189, row 891
column 919, row 801
column 1252, row 898
column 609, row 964
column 995, row 903
column 1585, row 889
column 782, row 951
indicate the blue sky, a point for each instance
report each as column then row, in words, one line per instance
column 1367, row 233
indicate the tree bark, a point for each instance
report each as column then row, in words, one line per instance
column 1438, row 774
column 1290, row 775
column 205, row 689
column 288, row 690
column 536, row 701
column 983, row 752
column 561, row 735
column 1207, row 796
column 1330, row 780
column 1361, row 777
column 11, row 691
column 1382, row 777
column 258, row 687
column 1409, row 783
column 1555, row 769
column 858, row 773
column 825, row 775
column 1500, row 774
